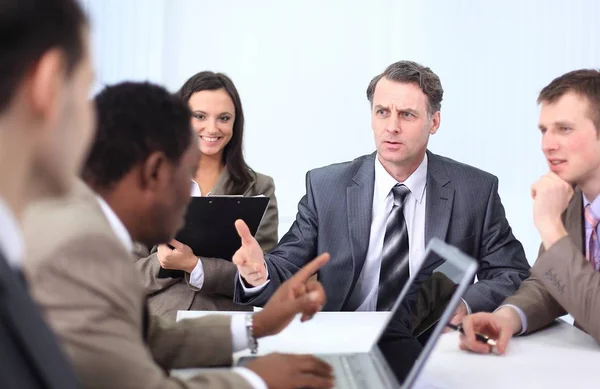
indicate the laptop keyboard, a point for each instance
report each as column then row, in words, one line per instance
column 352, row 371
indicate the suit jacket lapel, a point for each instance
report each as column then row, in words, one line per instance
column 574, row 220
column 145, row 321
column 439, row 201
column 359, row 199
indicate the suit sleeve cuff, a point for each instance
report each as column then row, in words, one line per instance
column 197, row 275
column 467, row 306
column 521, row 316
column 253, row 291
column 253, row 379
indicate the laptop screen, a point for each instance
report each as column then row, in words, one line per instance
column 434, row 292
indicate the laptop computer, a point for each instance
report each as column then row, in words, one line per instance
column 426, row 303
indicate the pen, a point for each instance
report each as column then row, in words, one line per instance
column 481, row 338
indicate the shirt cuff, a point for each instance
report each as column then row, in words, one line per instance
column 466, row 306
column 239, row 337
column 197, row 275
column 253, row 379
column 253, row 291
column 521, row 316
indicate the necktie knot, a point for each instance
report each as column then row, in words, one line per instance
column 400, row 191
column 590, row 219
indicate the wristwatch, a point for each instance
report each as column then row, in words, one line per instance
column 252, row 342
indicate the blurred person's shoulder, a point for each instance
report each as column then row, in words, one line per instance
column 51, row 224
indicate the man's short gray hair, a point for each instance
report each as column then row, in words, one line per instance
column 412, row 72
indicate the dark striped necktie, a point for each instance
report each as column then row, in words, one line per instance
column 394, row 259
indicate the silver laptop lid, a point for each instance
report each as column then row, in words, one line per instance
column 424, row 306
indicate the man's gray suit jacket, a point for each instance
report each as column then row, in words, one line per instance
column 463, row 208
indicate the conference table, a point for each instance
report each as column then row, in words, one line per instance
column 560, row 356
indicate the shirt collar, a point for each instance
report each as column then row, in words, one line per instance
column 595, row 205
column 12, row 242
column 196, row 189
column 416, row 182
column 116, row 224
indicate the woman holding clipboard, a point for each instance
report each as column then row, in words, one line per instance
column 207, row 284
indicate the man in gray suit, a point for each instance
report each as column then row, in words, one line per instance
column 375, row 211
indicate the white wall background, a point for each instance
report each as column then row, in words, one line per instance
column 302, row 69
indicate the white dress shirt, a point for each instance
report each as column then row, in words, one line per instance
column 11, row 237
column 196, row 192
column 364, row 295
column 238, row 326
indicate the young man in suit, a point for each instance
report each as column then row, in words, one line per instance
column 372, row 213
column 82, row 270
column 45, row 129
column 566, row 210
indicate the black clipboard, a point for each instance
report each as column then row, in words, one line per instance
column 209, row 227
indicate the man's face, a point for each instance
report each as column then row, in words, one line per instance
column 175, row 193
column 570, row 141
column 401, row 124
column 69, row 128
